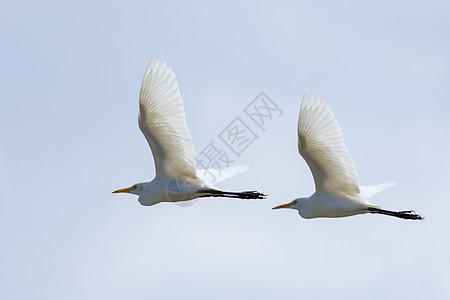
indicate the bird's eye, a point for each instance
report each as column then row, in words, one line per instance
column 134, row 187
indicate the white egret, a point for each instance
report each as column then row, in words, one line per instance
column 338, row 193
column 162, row 121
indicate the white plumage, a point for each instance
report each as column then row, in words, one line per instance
column 321, row 144
column 338, row 193
column 163, row 123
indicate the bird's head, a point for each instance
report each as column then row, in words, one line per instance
column 144, row 191
column 136, row 189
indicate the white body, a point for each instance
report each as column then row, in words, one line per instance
column 330, row 206
column 163, row 189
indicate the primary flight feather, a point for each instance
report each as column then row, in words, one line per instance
column 162, row 121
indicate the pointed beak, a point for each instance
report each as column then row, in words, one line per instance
column 125, row 190
column 287, row 205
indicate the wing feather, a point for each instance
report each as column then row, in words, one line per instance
column 212, row 177
column 321, row 143
column 369, row 191
column 162, row 121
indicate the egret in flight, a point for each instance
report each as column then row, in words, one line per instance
column 338, row 193
column 162, row 121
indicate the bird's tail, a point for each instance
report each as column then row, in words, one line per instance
column 405, row 214
column 239, row 195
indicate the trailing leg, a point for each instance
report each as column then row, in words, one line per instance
column 239, row 195
column 405, row 214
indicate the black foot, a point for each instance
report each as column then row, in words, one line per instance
column 410, row 214
column 251, row 195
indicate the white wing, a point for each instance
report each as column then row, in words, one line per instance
column 321, row 144
column 162, row 121
column 369, row 191
column 212, row 177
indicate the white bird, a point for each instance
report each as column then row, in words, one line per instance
column 338, row 193
column 162, row 121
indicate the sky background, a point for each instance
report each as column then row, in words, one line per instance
column 70, row 79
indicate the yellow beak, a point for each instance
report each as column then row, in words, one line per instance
column 125, row 190
column 287, row 205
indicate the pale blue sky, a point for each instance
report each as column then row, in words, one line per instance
column 70, row 80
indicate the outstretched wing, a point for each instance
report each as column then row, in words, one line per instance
column 162, row 121
column 321, row 144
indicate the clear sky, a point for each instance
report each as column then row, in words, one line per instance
column 70, row 79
